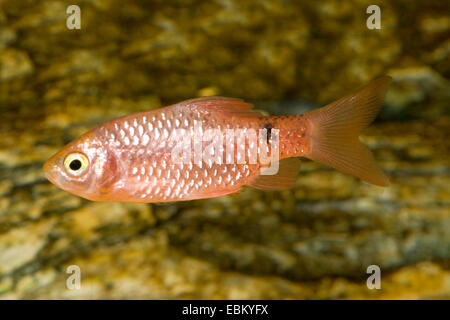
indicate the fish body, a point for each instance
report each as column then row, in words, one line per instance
column 214, row 146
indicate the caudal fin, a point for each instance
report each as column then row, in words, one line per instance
column 335, row 128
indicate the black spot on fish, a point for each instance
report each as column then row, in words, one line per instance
column 268, row 127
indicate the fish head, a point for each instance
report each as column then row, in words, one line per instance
column 84, row 167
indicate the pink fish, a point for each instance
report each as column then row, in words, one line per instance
column 132, row 158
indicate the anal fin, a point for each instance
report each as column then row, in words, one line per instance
column 283, row 179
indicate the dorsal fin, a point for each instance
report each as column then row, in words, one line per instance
column 225, row 106
column 284, row 179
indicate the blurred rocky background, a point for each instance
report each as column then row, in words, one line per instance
column 314, row 241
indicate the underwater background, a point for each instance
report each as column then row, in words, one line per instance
column 314, row 241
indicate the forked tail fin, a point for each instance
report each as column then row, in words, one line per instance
column 335, row 128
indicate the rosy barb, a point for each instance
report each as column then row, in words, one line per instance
column 132, row 158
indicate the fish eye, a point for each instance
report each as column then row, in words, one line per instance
column 76, row 163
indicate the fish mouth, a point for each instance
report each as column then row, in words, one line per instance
column 50, row 169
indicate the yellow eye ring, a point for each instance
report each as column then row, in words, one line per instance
column 76, row 163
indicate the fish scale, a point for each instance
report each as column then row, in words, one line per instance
column 144, row 151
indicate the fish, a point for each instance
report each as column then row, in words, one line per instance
column 164, row 155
